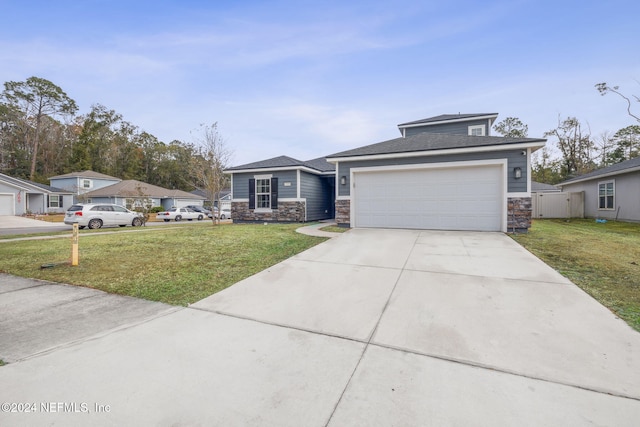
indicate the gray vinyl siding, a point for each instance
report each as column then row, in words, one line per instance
column 514, row 159
column 241, row 183
column 626, row 196
column 319, row 195
column 460, row 128
column 69, row 184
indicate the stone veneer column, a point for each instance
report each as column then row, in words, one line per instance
column 343, row 212
column 518, row 214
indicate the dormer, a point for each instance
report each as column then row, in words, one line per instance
column 457, row 124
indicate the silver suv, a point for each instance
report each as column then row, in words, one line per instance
column 96, row 215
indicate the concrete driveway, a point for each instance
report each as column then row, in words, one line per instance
column 373, row 328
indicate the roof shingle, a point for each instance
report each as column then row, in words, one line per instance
column 431, row 142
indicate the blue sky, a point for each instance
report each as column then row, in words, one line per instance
column 307, row 78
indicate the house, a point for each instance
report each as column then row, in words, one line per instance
column 130, row 193
column 611, row 193
column 224, row 196
column 20, row 196
column 83, row 182
column 282, row 189
column 445, row 172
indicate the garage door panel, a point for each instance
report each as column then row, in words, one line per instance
column 6, row 204
column 460, row 198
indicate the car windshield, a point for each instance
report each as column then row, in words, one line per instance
column 75, row 208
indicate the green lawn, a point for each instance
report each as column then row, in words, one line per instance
column 177, row 265
column 602, row 259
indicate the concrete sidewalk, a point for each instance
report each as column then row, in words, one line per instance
column 372, row 328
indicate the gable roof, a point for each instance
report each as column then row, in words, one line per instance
column 284, row 162
column 627, row 166
column 134, row 188
column 31, row 185
column 86, row 174
column 426, row 142
column 448, row 118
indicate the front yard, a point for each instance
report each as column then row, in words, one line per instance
column 176, row 265
column 602, row 259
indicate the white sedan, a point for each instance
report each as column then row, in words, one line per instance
column 179, row 214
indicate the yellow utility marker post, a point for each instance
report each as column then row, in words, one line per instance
column 74, row 245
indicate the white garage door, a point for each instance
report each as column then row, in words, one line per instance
column 456, row 198
column 6, row 204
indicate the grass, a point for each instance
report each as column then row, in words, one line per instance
column 177, row 266
column 602, row 259
column 334, row 229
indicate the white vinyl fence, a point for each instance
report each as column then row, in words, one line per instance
column 557, row 205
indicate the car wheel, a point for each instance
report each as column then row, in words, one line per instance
column 81, row 227
column 95, row 223
column 178, row 218
column 137, row 222
column 166, row 220
column 200, row 217
column 223, row 216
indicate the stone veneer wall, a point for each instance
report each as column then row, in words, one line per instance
column 343, row 213
column 286, row 212
column 518, row 214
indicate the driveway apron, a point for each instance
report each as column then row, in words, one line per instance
column 372, row 328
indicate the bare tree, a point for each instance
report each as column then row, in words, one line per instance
column 604, row 145
column 604, row 88
column 141, row 202
column 214, row 156
column 576, row 146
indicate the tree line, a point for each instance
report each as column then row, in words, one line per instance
column 577, row 151
column 42, row 135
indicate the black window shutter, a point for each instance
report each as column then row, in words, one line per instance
column 252, row 193
column 274, row 193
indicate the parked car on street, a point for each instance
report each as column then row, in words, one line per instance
column 178, row 214
column 97, row 215
column 200, row 209
column 226, row 213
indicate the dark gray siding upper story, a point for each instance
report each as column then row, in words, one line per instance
column 459, row 128
column 241, row 183
column 514, row 159
column 318, row 191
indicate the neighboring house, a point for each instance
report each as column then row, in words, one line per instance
column 20, row 196
column 130, row 193
column 282, row 189
column 612, row 192
column 444, row 173
column 540, row 187
column 225, row 198
column 83, row 182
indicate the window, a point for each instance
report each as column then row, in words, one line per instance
column 55, row 201
column 606, row 195
column 263, row 194
column 476, row 130
column 86, row 183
